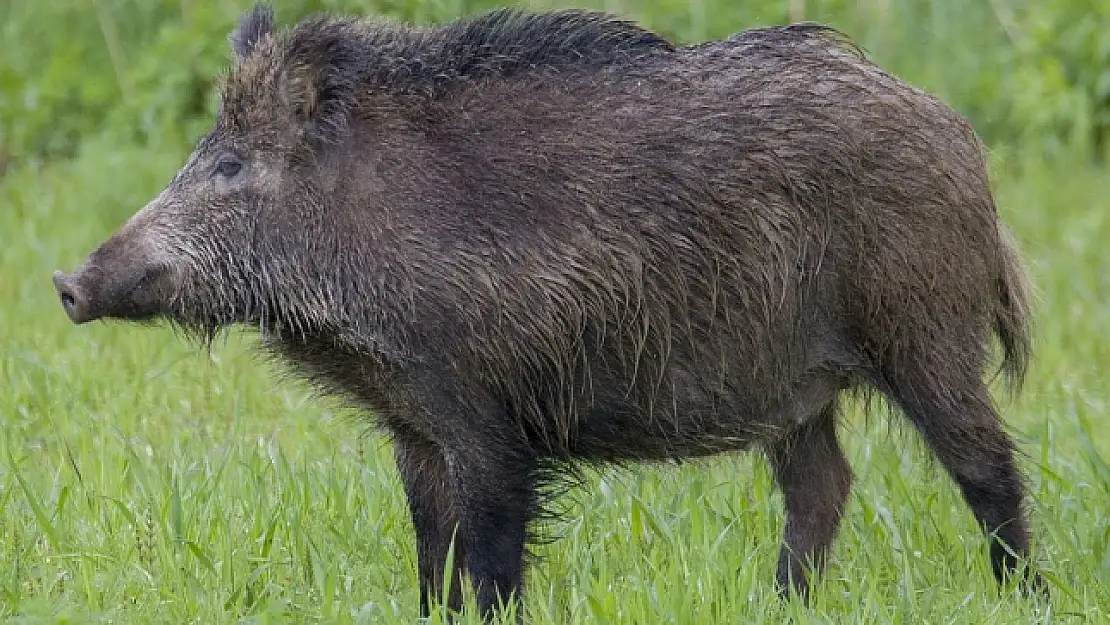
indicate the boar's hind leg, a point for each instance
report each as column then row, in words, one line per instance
column 424, row 473
column 815, row 479
column 951, row 407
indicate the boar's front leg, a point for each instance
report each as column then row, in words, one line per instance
column 493, row 481
column 424, row 474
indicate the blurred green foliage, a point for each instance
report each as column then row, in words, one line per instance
column 1062, row 81
column 1032, row 75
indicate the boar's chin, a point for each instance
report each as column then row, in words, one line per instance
column 192, row 316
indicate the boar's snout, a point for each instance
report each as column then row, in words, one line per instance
column 128, row 277
column 95, row 292
column 74, row 301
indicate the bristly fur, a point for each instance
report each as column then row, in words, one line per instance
column 1013, row 324
column 530, row 243
column 253, row 27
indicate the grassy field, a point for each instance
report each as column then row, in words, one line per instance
column 144, row 480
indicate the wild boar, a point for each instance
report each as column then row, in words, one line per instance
column 528, row 241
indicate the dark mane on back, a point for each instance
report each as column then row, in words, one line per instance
column 779, row 38
column 509, row 40
column 324, row 66
column 501, row 43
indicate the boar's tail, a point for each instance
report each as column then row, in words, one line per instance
column 1013, row 316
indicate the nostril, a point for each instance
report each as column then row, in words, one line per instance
column 68, row 294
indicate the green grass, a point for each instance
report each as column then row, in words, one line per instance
column 144, row 480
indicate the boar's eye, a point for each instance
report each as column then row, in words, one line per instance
column 228, row 167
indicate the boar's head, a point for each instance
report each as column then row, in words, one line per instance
column 245, row 231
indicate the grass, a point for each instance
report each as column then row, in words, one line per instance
column 144, row 480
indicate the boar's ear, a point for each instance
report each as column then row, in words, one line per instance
column 318, row 83
column 254, row 26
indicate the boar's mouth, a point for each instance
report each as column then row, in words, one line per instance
column 89, row 294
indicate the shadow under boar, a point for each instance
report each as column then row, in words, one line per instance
column 525, row 242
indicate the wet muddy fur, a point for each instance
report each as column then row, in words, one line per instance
column 527, row 243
